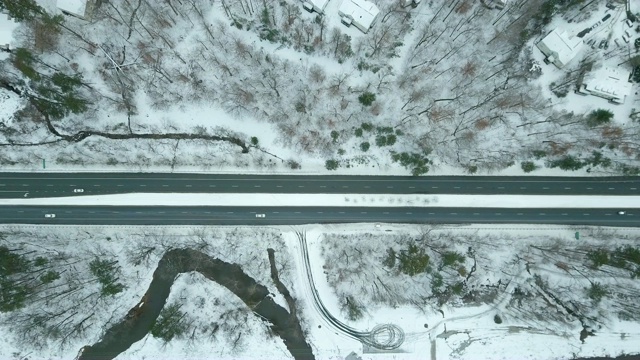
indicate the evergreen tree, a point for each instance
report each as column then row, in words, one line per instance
column 21, row 10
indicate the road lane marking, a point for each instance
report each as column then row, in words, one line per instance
column 545, row 188
column 143, row 185
column 96, row 185
column 412, row 187
column 567, row 188
column 323, row 186
column 633, row 188
column 434, row 187
column 520, row 214
column 385, row 213
column 276, row 212
column 229, row 212
column 456, row 187
column 409, row 213
column 453, row 213
column 300, row 186
column 278, row 186
column 612, row 188
column 344, row 186
column 389, row 187
column 564, row 214
column 256, row 186
column 498, row 213
column 476, row 214
column 119, row 185
column 49, row 185
column 586, row 214
column 320, row 212
column 522, row 188
column 367, row 187
column 478, row 187
column 186, row 185
column 297, row 212
column 363, row 212
column 542, row 214
column 235, row 186
column 209, row 185
column 432, row 213
column 500, row 187
column 589, row 188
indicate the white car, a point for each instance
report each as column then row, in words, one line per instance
column 621, row 212
column 49, row 215
column 260, row 215
column 78, row 190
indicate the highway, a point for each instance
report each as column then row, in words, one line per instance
column 32, row 185
column 202, row 215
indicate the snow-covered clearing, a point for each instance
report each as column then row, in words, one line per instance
column 341, row 200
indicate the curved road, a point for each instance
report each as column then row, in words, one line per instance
column 203, row 215
column 16, row 185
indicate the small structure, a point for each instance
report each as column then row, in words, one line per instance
column 494, row 4
column 7, row 25
column 315, row 5
column 82, row 9
column 609, row 83
column 413, row 3
column 559, row 47
column 360, row 13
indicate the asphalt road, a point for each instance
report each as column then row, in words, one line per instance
column 17, row 185
column 194, row 215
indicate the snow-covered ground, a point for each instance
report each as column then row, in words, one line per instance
column 456, row 330
column 341, row 200
column 292, row 80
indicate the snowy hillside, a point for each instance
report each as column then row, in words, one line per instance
column 268, row 87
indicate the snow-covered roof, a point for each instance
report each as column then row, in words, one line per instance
column 319, row 4
column 610, row 83
column 361, row 12
column 76, row 7
column 6, row 30
column 560, row 46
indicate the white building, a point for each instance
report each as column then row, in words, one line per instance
column 360, row 13
column 7, row 26
column 559, row 47
column 609, row 83
column 315, row 5
column 78, row 8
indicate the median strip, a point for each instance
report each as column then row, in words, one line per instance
column 340, row 200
